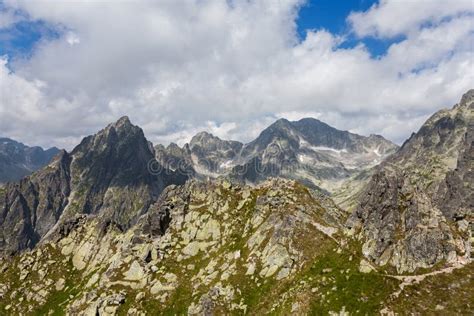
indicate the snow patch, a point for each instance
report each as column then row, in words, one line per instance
column 227, row 164
column 324, row 148
column 304, row 158
column 305, row 144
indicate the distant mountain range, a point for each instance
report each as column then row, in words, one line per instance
column 108, row 229
column 308, row 150
column 18, row 160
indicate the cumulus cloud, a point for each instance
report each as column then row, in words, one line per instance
column 389, row 18
column 231, row 68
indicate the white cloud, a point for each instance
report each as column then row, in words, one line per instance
column 72, row 38
column 179, row 67
column 390, row 18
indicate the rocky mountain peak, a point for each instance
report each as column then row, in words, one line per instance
column 441, row 136
column 468, row 98
column 4, row 142
column 313, row 122
column 281, row 123
column 107, row 175
column 376, row 136
column 60, row 156
column 282, row 129
column 203, row 138
column 208, row 141
column 415, row 210
column 122, row 128
column 18, row 160
column 111, row 167
column 124, row 121
column 173, row 146
column 121, row 132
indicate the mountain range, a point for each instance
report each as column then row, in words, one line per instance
column 18, row 160
column 305, row 219
column 307, row 150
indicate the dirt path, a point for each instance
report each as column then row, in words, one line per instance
column 414, row 279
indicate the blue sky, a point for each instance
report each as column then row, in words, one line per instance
column 19, row 40
column 332, row 16
column 68, row 68
column 328, row 14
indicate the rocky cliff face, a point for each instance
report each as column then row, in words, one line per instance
column 308, row 150
column 416, row 210
column 110, row 174
column 106, row 175
column 31, row 207
column 18, row 160
column 175, row 158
